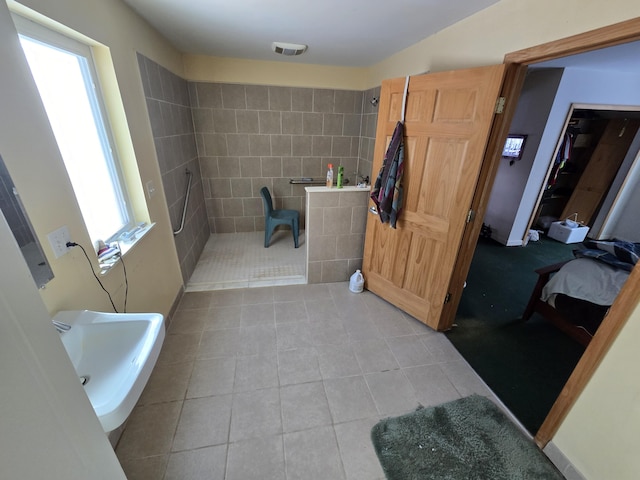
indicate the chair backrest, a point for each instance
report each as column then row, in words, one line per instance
column 266, row 201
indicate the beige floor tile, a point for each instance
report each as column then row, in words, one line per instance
column 304, row 406
column 149, row 431
column 204, row 463
column 465, row 379
column 256, row 459
column 257, row 295
column 313, row 455
column 212, row 376
column 257, row 340
column 145, row 468
column 374, row 356
column 257, row 314
column 293, row 335
column 410, row 351
column 167, row 383
column 441, row 348
column 251, row 363
column 255, row 372
column 223, row 317
column 203, row 422
column 356, row 449
column 349, row 399
column 392, row 325
column 299, row 365
column 192, row 300
column 391, row 392
column 337, row 361
column 188, row 321
column 289, row 293
column 431, row 384
column 219, row 343
column 255, row 414
column 287, row 312
column 179, row 348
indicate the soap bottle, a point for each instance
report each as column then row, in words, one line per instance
column 330, row 176
column 340, row 175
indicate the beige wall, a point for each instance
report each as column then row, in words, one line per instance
column 600, row 435
column 202, row 68
column 34, row 162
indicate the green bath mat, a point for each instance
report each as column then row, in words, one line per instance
column 469, row 438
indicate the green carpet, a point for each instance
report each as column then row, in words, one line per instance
column 525, row 363
column 469, row 438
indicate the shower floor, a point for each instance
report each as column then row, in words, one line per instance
column 239, row 260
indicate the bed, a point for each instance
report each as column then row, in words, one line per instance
column 575, row 295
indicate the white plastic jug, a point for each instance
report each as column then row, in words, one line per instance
column 356, row 282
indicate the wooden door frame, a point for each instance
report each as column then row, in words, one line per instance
column 516, row 66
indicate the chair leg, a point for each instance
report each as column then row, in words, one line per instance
column 295, row 231
column 268, row 230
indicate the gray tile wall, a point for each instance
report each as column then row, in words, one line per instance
column 250, row 136
column 368, row 132
column 171, row 120
column 336, row 226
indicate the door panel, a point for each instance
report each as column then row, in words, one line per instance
column 602, row 168
column 447, row 122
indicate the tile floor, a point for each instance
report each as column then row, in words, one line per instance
column 284, row 383
column 238, row 260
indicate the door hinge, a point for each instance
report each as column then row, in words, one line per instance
column 471, row 215
column 447, row 298
column 500, row 102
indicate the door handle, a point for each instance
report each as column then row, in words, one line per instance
column 373, row 210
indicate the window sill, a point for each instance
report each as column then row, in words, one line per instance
column 125, row 246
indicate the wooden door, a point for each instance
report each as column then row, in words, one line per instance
column 602, row 168
column 447, row 123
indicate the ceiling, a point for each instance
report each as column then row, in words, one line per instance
column 354, row 33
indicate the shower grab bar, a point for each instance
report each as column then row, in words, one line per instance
column 312, row 181
column 186, row 203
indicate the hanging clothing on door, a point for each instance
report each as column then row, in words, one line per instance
column 388, row 191
column 562, row 157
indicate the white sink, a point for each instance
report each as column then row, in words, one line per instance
column 113, row 354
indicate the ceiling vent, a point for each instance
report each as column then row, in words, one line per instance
column 288, row 49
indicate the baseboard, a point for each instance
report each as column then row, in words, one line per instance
column 562, row 463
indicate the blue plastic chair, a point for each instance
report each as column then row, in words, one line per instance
column 273, row 218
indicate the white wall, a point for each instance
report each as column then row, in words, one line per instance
column 577, row 86
column 531, row 115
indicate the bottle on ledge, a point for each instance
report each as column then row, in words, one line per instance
column 330, row 176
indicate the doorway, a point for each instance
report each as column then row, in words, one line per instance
column 506, row 352
column 517, row 64
column 594, row 156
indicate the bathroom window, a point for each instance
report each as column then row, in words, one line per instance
column 65, row 74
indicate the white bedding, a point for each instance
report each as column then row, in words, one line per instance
column 586, row 279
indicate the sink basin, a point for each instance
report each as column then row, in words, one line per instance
column 113, row 355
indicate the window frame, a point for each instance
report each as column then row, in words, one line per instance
column 84, row 49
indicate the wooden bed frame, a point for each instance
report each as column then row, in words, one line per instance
column 547, row 311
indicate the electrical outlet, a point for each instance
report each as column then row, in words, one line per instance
column 58, row 240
